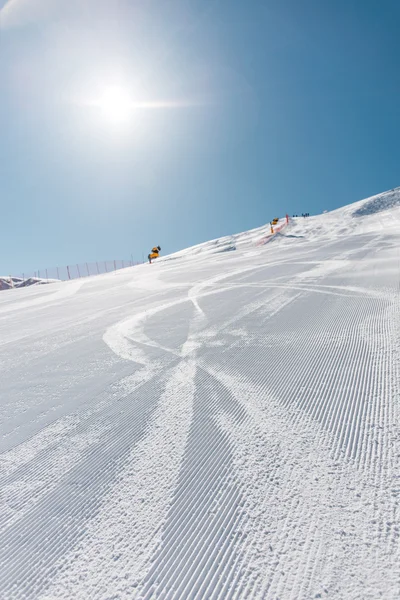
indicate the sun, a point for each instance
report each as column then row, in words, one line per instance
column 116, row 104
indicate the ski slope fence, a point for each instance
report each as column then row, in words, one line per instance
column 88, row 269
column 76, row 271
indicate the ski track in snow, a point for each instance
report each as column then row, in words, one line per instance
column 265, row 463
column 294, row 519
column 122, row 538
column 327, row 528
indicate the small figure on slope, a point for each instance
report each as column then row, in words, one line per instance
column 154, row 253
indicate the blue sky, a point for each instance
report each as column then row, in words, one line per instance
column 231, row 112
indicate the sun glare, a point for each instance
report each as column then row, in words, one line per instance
column 116, row 104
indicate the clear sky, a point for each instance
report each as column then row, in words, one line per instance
column 125, row 123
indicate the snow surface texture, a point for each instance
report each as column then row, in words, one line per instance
column 214, row 425
column 378, row 203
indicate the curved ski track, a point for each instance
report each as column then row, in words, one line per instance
column 251, row 454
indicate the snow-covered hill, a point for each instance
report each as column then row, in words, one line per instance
column 223, row 423
column 7, row 283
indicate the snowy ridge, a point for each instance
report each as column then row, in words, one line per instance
column 214, row 425
column 379, row 203
column 7, row 283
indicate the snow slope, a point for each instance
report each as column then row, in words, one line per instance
column 223, row 423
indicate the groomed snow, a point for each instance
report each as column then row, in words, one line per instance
column 223, row 423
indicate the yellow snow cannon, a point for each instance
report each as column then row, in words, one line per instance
column 155, row 252
column 274, row 221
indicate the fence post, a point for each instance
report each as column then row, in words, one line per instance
column 97, row 265
column 105, row 266
column 58, row 274
column 69, row 274
column 87, row 269
column 79, row 273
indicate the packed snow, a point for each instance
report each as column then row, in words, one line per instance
column 222, row 423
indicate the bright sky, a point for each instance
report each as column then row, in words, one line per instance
column 128, row 124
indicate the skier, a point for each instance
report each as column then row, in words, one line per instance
column 154, row 253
